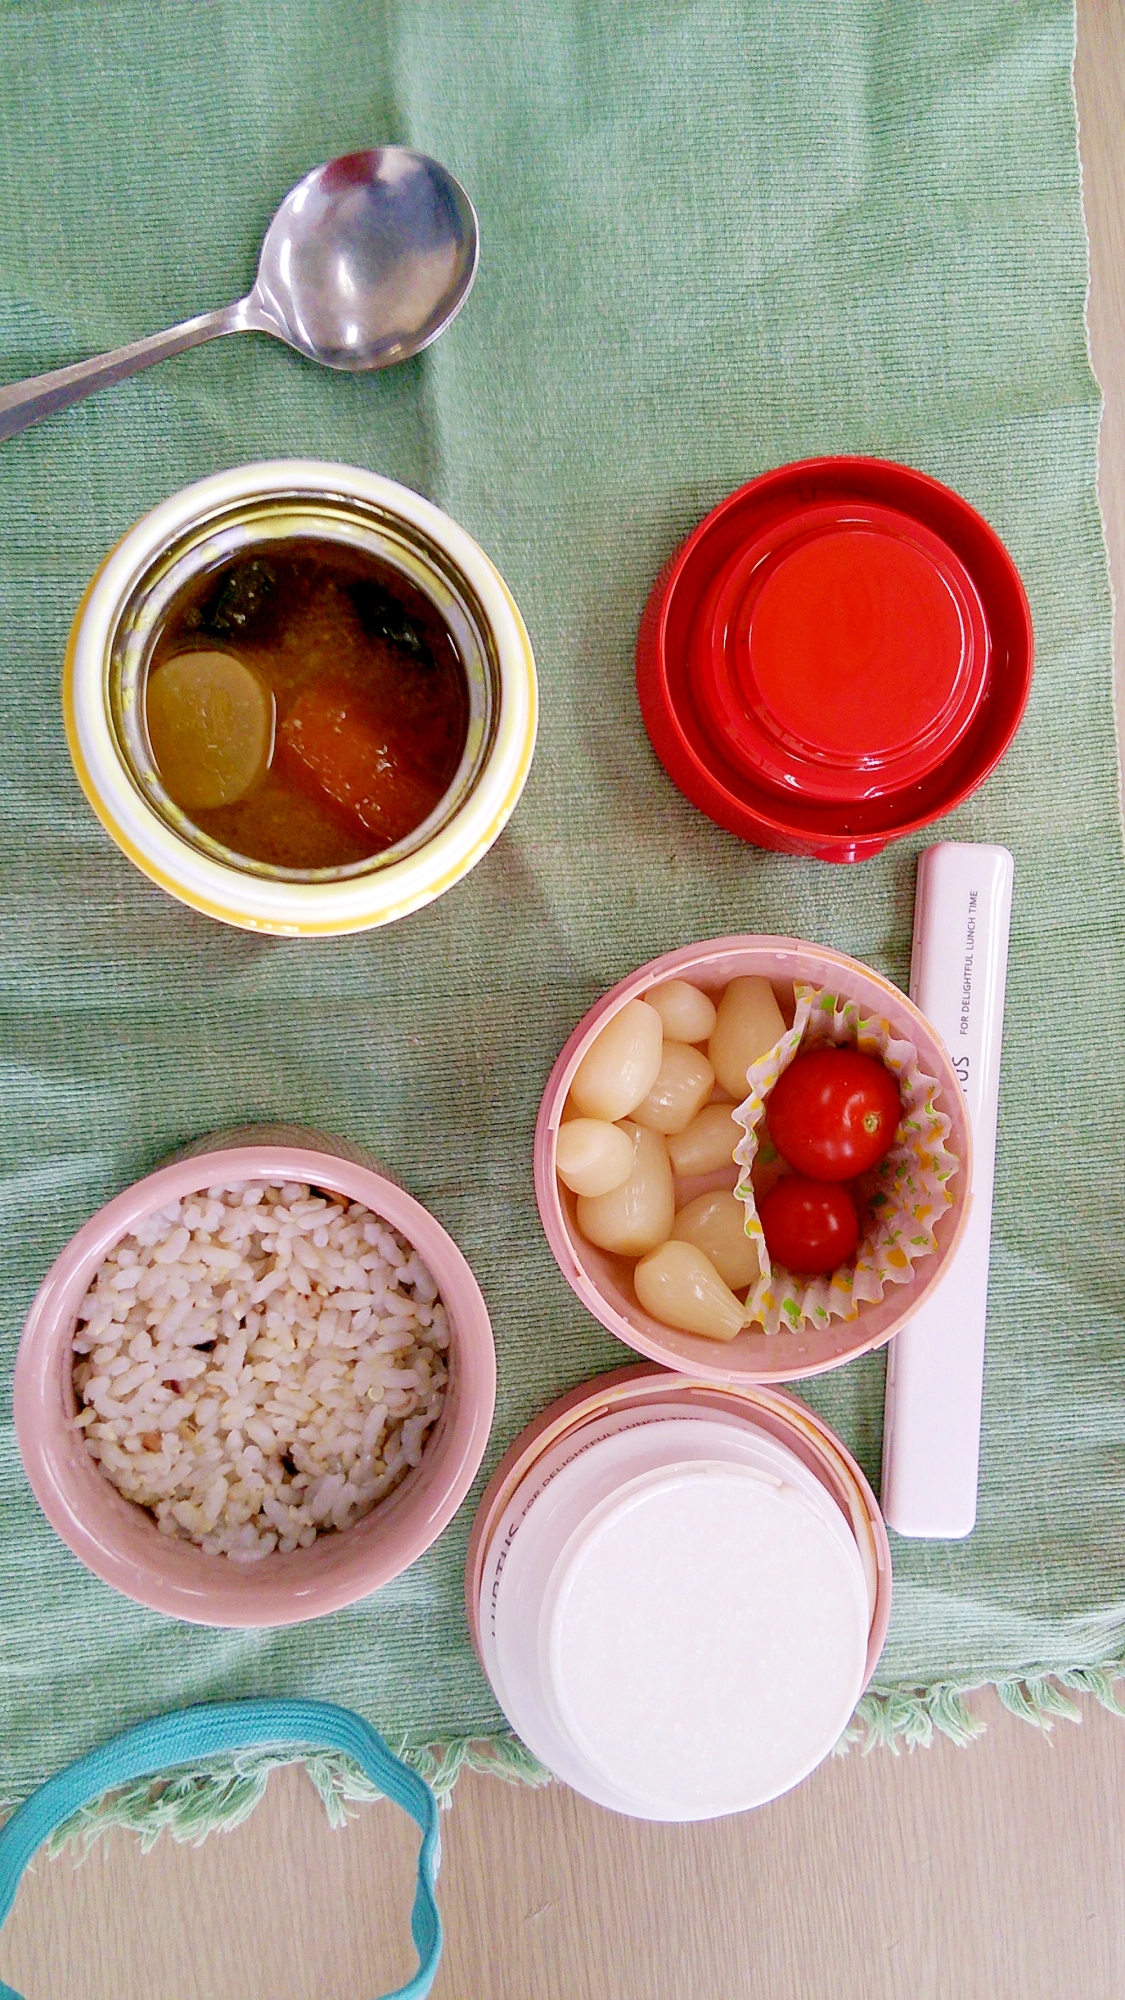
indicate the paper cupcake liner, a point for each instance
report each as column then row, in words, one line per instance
column 907, row 1193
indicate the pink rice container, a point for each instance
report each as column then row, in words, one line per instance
column 604, row 1282
column 579, row 1470
column 118, row 1540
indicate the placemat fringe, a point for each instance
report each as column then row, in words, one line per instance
column 893, row 1717
column 199, row 1800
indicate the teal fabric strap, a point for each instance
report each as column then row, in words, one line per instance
column 222, row 1728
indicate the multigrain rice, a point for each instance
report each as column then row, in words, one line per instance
column 258, row 1364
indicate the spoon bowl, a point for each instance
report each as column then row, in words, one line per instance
column 367, row 260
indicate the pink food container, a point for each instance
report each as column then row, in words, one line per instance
column 603, row 1281
column 585, row 1464
column 118, row 1540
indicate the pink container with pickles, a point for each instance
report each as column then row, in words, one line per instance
column 603, row 1281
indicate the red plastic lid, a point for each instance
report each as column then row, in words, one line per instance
column 838, row 654
column 842, row 655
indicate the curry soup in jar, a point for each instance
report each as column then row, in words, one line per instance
column 305, row 704
column 300, row 698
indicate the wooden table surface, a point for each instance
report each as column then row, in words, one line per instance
column 994, row 1873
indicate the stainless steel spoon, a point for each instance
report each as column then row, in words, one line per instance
column 366, row 261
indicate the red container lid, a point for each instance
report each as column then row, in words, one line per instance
column 840, row 652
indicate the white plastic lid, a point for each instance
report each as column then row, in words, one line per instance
column 581, row 1480
column 703, row 1639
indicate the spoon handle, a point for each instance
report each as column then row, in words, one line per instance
column 23, row 403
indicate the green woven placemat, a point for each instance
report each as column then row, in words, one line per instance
column 715, row 236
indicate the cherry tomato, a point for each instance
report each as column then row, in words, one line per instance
column 810, row 1226
column 833, row 1113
